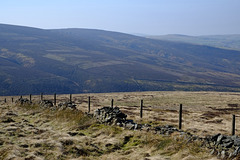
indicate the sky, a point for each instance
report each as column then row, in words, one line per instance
column 147, row 17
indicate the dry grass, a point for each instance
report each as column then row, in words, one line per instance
column 46, row 134
column 203, row 112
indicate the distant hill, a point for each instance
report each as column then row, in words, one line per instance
column 221, row 41
column 34, row 60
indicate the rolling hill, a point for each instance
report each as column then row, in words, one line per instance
column 34, row 60
column 222, row 41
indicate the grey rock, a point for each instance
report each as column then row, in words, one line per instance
column 213, row 152
column 130, row 126
column 223, row 154
column 227, row 145
column 23, row 101
column 67, row 105
column 46, row 104
column 219, row 139
column 237, row 142
column 234, row 137
column 227, row 140
column 236, row 152
column 220, row 145
column 109, row 114
column 214, row 137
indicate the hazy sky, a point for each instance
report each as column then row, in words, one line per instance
column 153, row 17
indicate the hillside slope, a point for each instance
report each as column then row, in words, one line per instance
column 222, row 41
column 82, row 60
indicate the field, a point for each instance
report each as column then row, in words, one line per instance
column 203, row 112
column 36, row 133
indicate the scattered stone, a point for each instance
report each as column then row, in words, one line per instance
column 237, row 142
column 213, row 152
column 46, row 104
column 23, row 101
column 167, row 129
column 67, row 105
column 223, row 154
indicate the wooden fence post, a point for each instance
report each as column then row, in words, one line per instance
column 70, row 97
column 21, row 97
column 30, row 97
column 233, row 124
column 5, row 100
column 41, row 96
column 55, row 99
column 141, row 108
column 112, row 103
column 180, row 117
column 89, row 104
column 12, row 99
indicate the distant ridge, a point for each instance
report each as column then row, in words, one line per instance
column 231, row 41
column 36, row 60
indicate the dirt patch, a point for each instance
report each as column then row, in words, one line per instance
column 216, row 121
column 210, row 115
column 233, row 105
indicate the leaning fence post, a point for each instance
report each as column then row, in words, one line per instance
column 112, row 103
column 141, row 108
column 70, row 97
column 89, row 104
column 180, row 117
column 233, row 124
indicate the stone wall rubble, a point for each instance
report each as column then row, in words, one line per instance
column 225, row 147
column 23, row 101
column 48, row 104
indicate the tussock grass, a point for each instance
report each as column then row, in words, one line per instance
column 69, row 118
column 162, row 145
column 4, row 153
column 105, row 129
column 91, row 140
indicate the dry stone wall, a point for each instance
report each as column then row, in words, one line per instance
column 223, row 146
column 48, row 104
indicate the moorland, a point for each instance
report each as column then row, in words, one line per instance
column 36, row 132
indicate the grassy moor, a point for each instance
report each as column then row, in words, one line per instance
column 30, row 131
